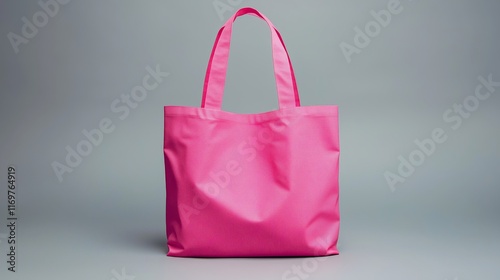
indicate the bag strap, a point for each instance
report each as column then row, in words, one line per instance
column 213, row 89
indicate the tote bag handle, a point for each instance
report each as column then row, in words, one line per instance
column 213, row 89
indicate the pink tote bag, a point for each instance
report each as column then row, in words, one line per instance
column 251, row 185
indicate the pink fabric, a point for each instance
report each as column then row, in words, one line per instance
column 249, row 185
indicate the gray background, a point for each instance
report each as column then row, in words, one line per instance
column 108, row 214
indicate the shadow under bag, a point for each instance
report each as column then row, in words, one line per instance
column 251, row 185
